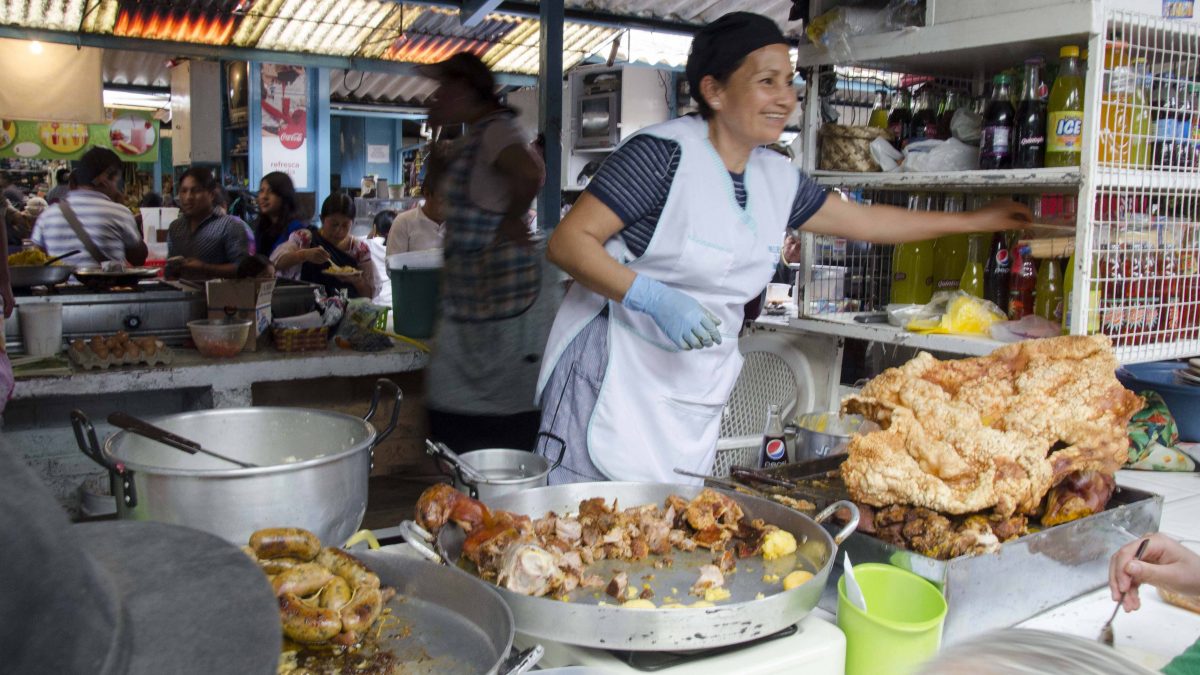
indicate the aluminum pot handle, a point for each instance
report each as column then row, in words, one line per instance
column 849, row 527
column 398, row 396
column 420, row 540
column 85, row 436
column 562, row 452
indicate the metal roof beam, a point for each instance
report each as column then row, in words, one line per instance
column 232, row 53
column 473, row 12
column 600, row 18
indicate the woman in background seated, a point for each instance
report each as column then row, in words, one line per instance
column 329, row 256
column 276, row 212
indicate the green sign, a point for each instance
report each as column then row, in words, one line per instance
column 132, row 134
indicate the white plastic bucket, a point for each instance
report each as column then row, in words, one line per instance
column 41, row 328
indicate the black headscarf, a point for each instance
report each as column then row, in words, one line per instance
column 719, row 47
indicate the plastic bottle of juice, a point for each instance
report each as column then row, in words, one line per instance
column 949, row 252
column 879, row 113
column 1093, row 302
column 1116, row 108
column 1048, row 294
column 912, row 267
column 972, row 276
column 1064, row 118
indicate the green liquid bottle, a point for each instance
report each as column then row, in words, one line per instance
column 912, row 273
column 1048, row 294
column 1064, row 113
column 879, row 111
column 972, row 276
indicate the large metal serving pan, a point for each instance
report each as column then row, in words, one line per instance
column 1025, row 578
column 26, row 276
column 744, row 616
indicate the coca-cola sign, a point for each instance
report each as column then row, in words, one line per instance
column 292, row 139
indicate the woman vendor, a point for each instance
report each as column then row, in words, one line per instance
column 329, row 256
column 679, row 229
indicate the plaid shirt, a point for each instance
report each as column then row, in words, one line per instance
column 486, row 279
column 218, row 240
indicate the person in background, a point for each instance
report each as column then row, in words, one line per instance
column 377, row 243
column 201, row 243
column 34, row 206
column 62, row 178
column 12, row 192
column 97, row 201
column 423, row 226
column 221, row 205
column 276, row 212
column 150, row 200
column 7, row 383
column 311, row 254
column 679, row 229
column 497, row 300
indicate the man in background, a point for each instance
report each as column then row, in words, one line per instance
column 62, row 179
column 204, row 243
column 97, row 204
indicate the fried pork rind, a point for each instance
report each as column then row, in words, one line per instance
column 993, row 433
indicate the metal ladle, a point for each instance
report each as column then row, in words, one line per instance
column 143, row 428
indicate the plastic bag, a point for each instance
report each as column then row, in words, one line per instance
column 1029, row 327
column 885, row 155
column 834, row 29
column 358, row 328
column 957, row 313
column 934, row 155
column 966, row 125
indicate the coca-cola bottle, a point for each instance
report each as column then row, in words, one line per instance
column 995, row 273
column 1022, row 283
column 774, row 446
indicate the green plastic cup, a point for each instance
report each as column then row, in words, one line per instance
column 902, row 626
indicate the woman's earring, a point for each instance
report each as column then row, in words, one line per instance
column 714, row 104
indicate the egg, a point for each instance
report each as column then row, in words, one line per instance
column 777, row 544
column 716, row 594
column 796, row 579
column 639, row 604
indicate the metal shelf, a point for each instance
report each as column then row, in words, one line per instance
column 1147, row 179
column 967, row 48
column 1013, row 180
column 843, row 325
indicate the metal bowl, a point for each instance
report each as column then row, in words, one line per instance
column 25, row 276
column 827, row 434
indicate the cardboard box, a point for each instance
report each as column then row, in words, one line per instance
column 245, row 299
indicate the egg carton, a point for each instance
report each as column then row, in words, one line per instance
column 90, row 360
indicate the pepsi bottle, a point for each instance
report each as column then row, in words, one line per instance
column 774, row 446
column 996, row 272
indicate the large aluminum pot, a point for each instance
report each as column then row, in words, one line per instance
column 26, row 276
column 312, row 469
column 500, row 471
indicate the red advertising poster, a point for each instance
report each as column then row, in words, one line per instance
column 285, row 122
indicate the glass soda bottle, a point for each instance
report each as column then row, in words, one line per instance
column 954, row 101
column 999, row 119
column 972, row 276
column 900, row 118
column 923, row 125
column 879, row 113
column 1064, row 116
column 996, row 271
column 1022, row 283
column 1172, row 124
column 1030, row 152
column 774, row 444
column 1048, row 294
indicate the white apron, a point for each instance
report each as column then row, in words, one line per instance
column 659, row 407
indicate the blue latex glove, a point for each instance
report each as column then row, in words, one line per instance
column 684, row 321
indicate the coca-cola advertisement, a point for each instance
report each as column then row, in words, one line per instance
column 285, row 121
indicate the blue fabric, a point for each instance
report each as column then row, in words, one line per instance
column 635, row 180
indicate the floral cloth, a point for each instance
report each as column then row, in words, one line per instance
column 1153, row 439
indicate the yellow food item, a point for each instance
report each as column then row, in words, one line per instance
column 639, row 604
column 673, row 605
column 631, row 593
column 700, row 604
column 796, row 579
column 716, row 594
column 771, row 578
column 28, row 257
column 341, row 269
column 777, row 544
column 759, row 596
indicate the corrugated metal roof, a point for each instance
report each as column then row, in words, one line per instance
column 140, row 69
column 371, row 29
column 357, row 86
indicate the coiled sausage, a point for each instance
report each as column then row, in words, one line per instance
column 301, row 580
column 303, row 623
column 285, row 542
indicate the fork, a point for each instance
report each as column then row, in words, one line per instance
column 1106, row 633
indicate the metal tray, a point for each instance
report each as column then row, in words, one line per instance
column 1026, row 577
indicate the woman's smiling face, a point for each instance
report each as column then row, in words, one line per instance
column 756, row 100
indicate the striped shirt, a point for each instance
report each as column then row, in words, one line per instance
column 110, row 225
column 219, row 239
column 635, row 180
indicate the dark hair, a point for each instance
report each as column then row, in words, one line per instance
column 199, row 175
column 62, row 176
column 720, row 47
column 220, row 197
column 338, row 203
column 95, row 163
column 383, row 222
column 151, row 200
